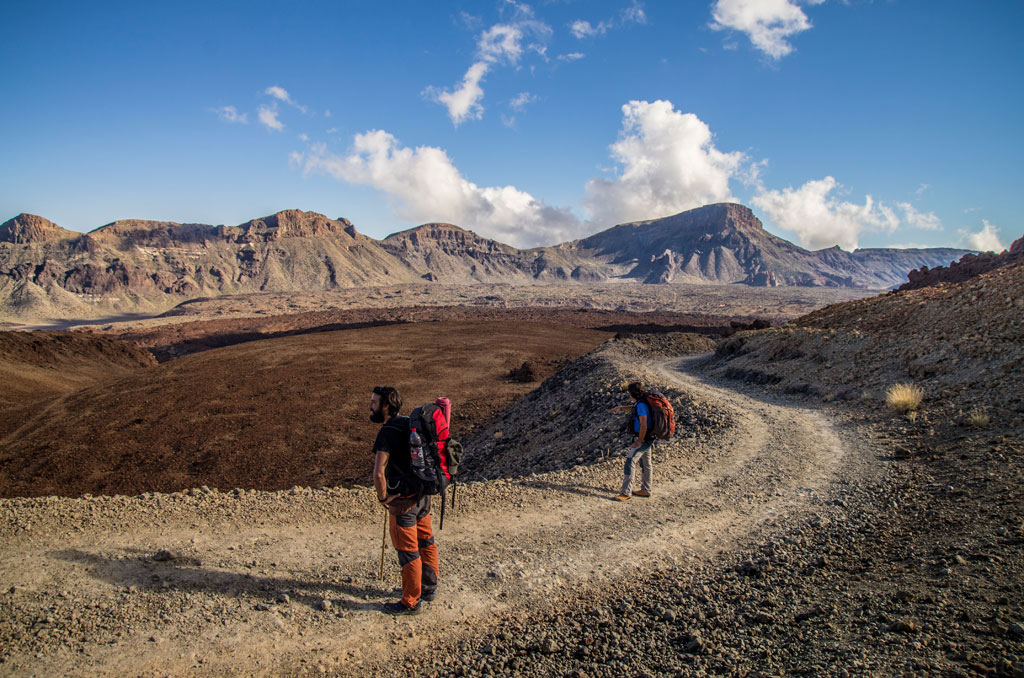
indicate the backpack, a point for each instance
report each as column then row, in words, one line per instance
column 434, row 456
column 662, row 422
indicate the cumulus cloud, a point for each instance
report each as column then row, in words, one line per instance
column 501, row 44
column 668, row 163
column 768, row 23
column 267, row 116
column 822, row 220
column 985, row 240
column 281, row 94
column 924, row 220
column 231, row 114
column 424, row 185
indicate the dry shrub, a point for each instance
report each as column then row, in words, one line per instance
column 978, row 418
column 904, row 397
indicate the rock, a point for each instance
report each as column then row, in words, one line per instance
column 163, row 556
column 903, row 626
column 261, row 607
column 1016, row 630
column 323, row 605
column 549, row 646
column 283, row 598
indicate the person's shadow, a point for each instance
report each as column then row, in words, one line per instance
column 582, row 490
column 140, row 569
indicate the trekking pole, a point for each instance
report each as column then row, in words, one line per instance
column 383, row 541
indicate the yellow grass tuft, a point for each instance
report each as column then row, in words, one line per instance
column 904, row 397
column 978, row 418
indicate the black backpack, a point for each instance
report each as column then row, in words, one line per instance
column 434, row 457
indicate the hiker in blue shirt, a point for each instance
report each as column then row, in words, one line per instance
column 641, row 445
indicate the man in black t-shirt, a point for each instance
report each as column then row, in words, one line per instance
column 409, row 519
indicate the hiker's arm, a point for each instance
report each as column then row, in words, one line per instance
column 642, row 433
column 620, row 408
column 380, row 463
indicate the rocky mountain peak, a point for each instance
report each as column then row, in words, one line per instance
column 447, row 237
column 29, row 228
column 295, row 224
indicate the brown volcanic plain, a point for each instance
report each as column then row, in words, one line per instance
column 267, row 414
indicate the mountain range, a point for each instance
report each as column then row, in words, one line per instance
column 149, row 266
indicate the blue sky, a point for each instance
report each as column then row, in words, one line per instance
column 857, row 123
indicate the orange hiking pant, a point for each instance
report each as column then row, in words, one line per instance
column 413, row 538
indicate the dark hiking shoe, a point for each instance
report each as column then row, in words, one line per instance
column 428, row 595
column 399, row 607
column 641, row 493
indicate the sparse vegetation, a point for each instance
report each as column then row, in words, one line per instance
column 903, row 398
column 978, row 418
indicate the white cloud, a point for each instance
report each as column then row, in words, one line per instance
column 304, row 137
column 820, row 220
column 582, row 29
column 634, row 13
column 768, row 23
column 281, row 94
column 424, row 185
column 668, row 164
column 924, row 220
column 268, row 117
column 572, row 56
column 501, row 44
column 327, row 113
column 521, row 100
column 463, row 103
column 231, row 114
column 921, row 189
column 985, row 240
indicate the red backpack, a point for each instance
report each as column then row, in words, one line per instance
column 433, row 456
column 662, row 422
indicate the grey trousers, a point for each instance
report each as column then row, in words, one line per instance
column 643, row 453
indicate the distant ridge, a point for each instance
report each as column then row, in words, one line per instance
column 149, row 266
column 969, row 266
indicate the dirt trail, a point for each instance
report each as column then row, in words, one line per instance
column 83, row 594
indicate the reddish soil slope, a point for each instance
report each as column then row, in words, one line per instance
column 39, row 364
column 267, row 414
column 175, row 340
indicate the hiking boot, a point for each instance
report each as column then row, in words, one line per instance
column 428, row 595
column 622, row 497
column 641, row 493
column 399, row 607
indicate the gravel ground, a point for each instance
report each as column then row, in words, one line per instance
column 785, row 536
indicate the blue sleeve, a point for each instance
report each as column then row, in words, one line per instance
column 642, row 410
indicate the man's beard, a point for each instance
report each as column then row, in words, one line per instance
column 377, row 416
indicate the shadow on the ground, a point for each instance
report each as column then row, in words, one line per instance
column 139, row 569
column 582, row 490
